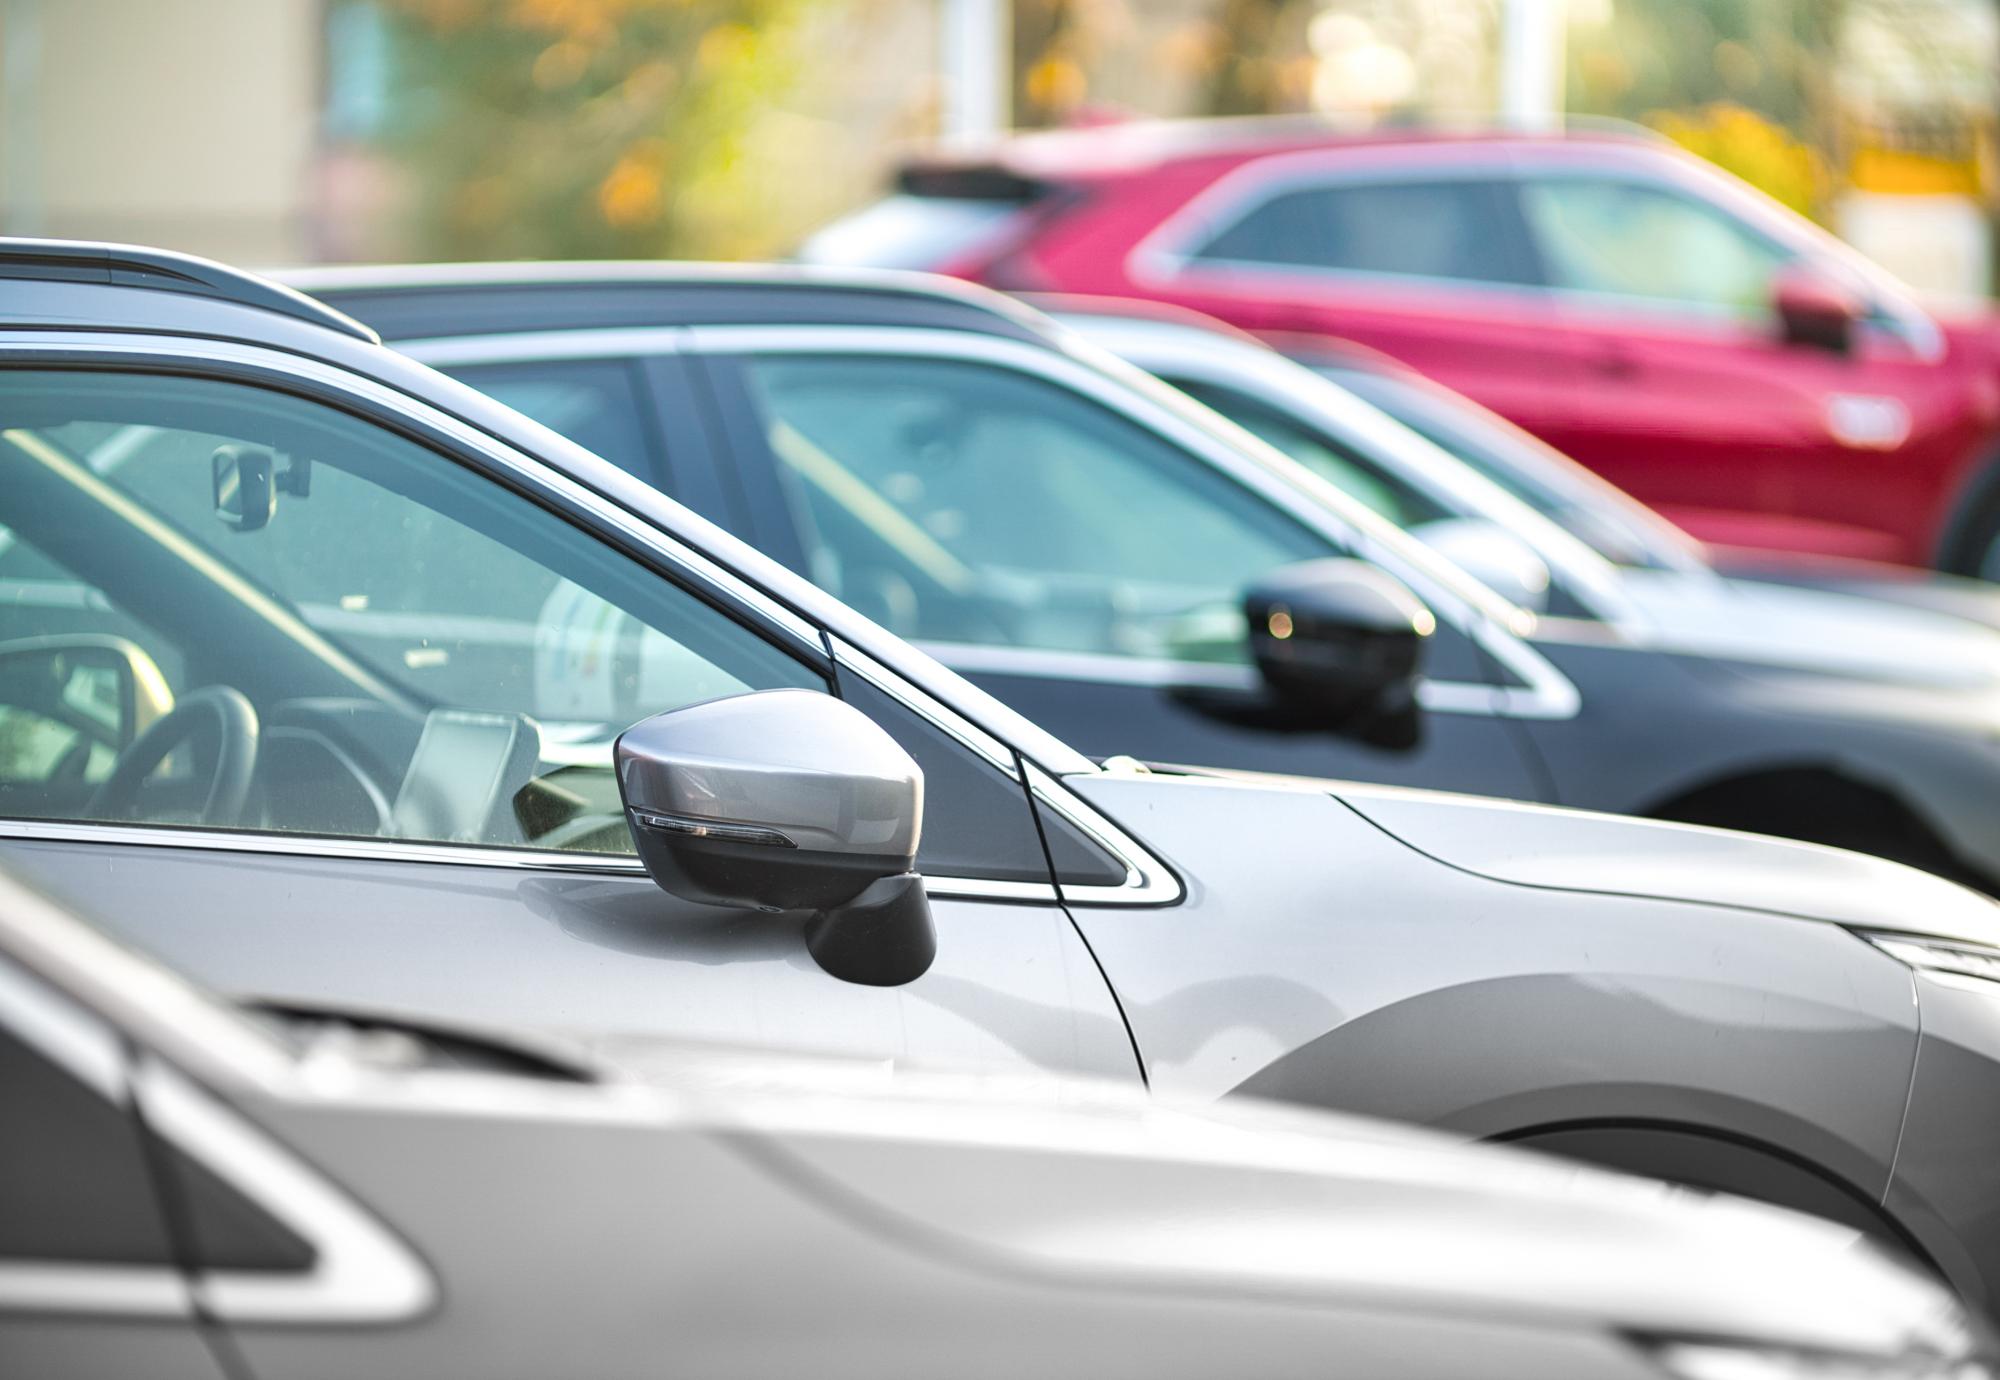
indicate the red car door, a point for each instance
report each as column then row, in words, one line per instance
column 1424, row 260
column 1675, row 382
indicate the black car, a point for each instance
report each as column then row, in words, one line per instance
column 1081, row 542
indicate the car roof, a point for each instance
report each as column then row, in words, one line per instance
column 1137, row 146
column 407, row 302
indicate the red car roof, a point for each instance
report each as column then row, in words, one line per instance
column 1110, row 150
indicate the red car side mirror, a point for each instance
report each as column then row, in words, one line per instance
column 1815, row 311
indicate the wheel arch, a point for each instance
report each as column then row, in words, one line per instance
column 1715, row 1160
column 1818, row 802
column 1974, row 503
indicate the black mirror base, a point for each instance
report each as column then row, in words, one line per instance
column 881, row 938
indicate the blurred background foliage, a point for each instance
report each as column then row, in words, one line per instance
column 584, row 128
column 728, row 128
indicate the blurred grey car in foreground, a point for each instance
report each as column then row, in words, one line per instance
column 336, row 683
column 190, row 1194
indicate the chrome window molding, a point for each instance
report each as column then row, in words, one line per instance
column 1148, row 881
column 360, row 1272
column 323, row 846
column 1442, row 697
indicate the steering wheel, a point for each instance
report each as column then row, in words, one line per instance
column 235, row 721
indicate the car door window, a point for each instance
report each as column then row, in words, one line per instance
column 961, row 502
column 1448, row 228
column 1628, row 239
column 594, row 402
column 424, row 653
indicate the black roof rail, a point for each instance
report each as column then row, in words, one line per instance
column 125, row 265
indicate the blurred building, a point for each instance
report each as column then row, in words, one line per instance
column 185, row 123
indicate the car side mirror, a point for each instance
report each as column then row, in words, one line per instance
column 1814, row 311
column 1493, row 556
column 1341, row 643
column 787, row 800
column 105, row 685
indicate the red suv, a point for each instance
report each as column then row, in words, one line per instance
column 1693, row 341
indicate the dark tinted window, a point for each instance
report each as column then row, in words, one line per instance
column 976, row 820
column 1447, row 229
column 594, row 402
column 73, row 1180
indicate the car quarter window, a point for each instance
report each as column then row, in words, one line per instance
column 85, row 1182
column 958, row 501
column 74, row 1183
column 363, row 637
column 594, row 402
column 1631, row 239
column 1456, row 228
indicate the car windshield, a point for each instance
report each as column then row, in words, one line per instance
column 1615, row 526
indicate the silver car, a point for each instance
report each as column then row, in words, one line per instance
column 187, row 1194
column 338, row 684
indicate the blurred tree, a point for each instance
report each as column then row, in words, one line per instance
column 1760, row 151
column 581, row 128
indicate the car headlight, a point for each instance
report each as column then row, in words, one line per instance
column 1939, row 955
column 1722, row 1361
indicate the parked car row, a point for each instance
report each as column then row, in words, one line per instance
column 1683, row 335
column 425, row 737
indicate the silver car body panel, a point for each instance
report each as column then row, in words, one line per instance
column 1453, row 999
column 684, row 1213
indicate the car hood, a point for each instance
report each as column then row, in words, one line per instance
column 1092, row 1184
column 1574, row 850
column 1817, row 630
column 1976, row 601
